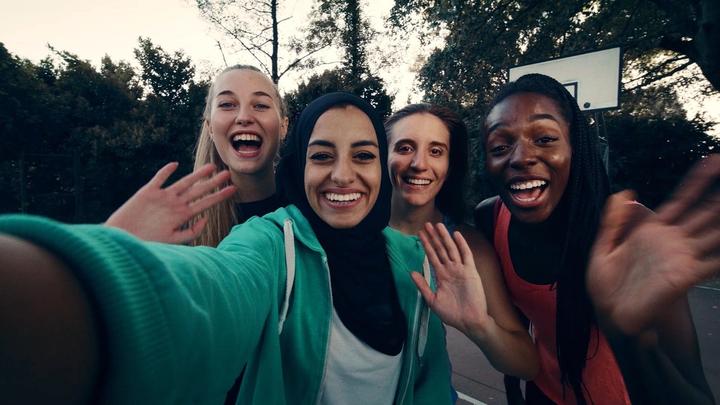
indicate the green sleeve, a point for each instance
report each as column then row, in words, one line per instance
column 178, row 323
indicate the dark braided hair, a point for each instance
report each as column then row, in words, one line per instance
column 585, row 195
column 450, row 200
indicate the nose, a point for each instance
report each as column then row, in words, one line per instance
column 419, row 162
column 523, row 155
column 343, row 173
column 244, row 116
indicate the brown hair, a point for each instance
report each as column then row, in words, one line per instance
column 449, row 199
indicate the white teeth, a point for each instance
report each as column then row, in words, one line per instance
column 527, row 184
column 342, row 197
column 245, row 137
column 419, row 182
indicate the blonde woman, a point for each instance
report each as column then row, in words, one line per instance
column 244, row 123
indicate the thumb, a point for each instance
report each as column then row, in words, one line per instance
column 615, row 217
column 423, row 287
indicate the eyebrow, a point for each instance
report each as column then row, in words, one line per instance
column 321, row 142
column 230, row 92
column 534, row 117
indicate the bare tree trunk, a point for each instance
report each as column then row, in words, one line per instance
column 273, row 12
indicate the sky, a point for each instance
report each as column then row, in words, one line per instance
column 92, row 29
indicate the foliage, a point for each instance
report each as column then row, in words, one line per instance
column 342, row 22
column 651, row 155
column 370, row 88
column 78, row 141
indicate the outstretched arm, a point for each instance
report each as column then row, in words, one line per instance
column 641, row 268
column 174, row 322
column 475, row 302
column 49, row 341
column 160, row 214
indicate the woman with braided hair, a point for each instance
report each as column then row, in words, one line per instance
column 628, row 335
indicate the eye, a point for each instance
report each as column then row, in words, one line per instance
column 226, row 105
column 497, row 150
column 320, row 157
column 261, row 106
column 545, row 139
column 403, row 148
column 437, row 151
column 365, row 156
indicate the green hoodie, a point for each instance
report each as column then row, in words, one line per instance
column 180, row 323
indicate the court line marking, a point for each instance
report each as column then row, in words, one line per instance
column 707, row 288
column 470, row 399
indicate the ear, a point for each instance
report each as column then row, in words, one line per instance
column 206, row 123
column 284, row 122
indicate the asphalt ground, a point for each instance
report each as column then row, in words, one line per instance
column 477, row 382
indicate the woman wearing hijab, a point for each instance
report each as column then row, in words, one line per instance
column 314, row 301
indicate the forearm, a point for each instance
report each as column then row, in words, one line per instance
column 49, row 346
column 510, row 352
column 661, row 365
column 177, row 322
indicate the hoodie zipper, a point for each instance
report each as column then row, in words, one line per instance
column 327, row 337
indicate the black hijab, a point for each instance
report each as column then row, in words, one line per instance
column 364, row 293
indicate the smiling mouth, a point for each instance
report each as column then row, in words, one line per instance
column 246, row 144
column 527, row 191
column 415, row 181
column 342, row 199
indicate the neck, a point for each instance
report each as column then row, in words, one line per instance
column 253, row 187
column 411, row 219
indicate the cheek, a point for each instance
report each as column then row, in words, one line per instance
column 493, row 167
column 374, row 174
column 396, row 163
column 442, row 168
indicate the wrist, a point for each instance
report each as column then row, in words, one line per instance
column 479, row 329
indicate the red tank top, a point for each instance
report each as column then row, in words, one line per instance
column 602, row 377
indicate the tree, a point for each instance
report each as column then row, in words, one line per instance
column 650, row 156
column 484, row 38
column 694, row 34
column 263, row 41
column 371, row 89
column 341, row 22
column 76, row 141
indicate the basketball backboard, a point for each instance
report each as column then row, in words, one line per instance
column 592, row 77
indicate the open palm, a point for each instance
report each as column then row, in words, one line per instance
column 642, row 262
column 459, row 299
column 160, row 214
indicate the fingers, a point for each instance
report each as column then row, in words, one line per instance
column 162, row 175
column 465, row 251
column 613, row 224
column 203, row 187
column 423, row 287
column 213, row 199
column 703, row 216
column 188, row 234
column 708, row 268
column 708, row 242
column 704, row 176
column 436, row 243
column 448, row 243
column 186, row 182
column 431, row 253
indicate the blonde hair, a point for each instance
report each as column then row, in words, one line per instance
column 222, row 217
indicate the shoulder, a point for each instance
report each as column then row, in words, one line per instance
column 402, row 248
column 475, row 239
column 484, row 215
